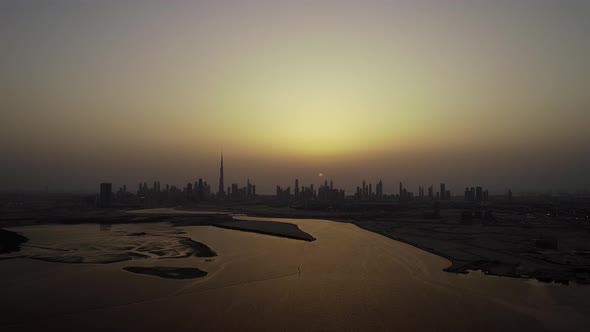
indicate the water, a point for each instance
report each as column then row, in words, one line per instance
column 347, row 280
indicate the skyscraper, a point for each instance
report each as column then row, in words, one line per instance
column 221, row 191
column 443, row 192
column 468, row 194
column 200, row 190
column 379, row 190
column 478, row 193
column 105, row 194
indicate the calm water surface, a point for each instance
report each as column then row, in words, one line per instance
column 347, row 280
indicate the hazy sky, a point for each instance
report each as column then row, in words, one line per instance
column 493, row 93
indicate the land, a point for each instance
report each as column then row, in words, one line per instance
column 544, row 251
column 546, row 238
column 113, row 247
column 280, row 229
column 10, row 241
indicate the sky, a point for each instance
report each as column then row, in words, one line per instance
column 491, row 93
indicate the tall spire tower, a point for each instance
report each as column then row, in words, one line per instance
column 221, row 191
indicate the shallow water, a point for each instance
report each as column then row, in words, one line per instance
column 349, row 279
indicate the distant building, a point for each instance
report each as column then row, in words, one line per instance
column 106, row 194
column 283, row 194
column 479, row 194
column 443, row 191
column 189, row 191
column 403, row 192
column 379, row 190
column 221, row 192
column 235, row 191
column 469, row 194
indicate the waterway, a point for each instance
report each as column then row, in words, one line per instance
column 348, row 279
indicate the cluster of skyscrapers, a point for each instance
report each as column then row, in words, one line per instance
column 198, row 191
column 234, row 192
column 325, row 192
column 443, row 194
column 193, row 192
column 479, row 195
column 366, row 191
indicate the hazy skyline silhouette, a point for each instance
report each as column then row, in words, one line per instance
column 459, row 92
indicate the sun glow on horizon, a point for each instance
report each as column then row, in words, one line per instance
column 309, row 108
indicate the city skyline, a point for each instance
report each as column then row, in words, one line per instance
column 363, row 191
column 417, row 188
